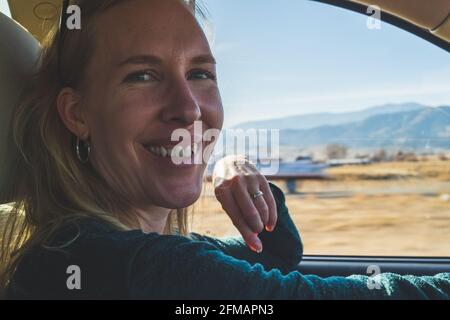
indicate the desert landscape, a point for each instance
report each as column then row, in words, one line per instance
column 394, row 208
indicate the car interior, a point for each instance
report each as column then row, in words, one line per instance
column 31, row 21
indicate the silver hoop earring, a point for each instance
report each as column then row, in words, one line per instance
column 83, row 149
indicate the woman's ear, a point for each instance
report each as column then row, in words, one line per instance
column 71, row 112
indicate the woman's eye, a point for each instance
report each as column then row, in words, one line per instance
column 201, row 75
column 140, row 76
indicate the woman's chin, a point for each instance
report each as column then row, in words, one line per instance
column 179, row 201
column 178, row 197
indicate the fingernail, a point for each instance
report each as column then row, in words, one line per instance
column 259, row 245
column 269, row 228
column 257, row 250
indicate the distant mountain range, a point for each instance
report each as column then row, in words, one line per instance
column 313, row 120
column 409, row 125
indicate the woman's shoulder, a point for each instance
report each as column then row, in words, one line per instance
column 102, row 255
column 94, row 239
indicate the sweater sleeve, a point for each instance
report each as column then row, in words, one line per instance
column 282, row 248
column 176, row 268
column 133, row 265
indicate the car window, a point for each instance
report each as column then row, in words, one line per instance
column 4, row 8
column 362, row 110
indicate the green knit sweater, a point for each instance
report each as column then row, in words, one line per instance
column 133, row 265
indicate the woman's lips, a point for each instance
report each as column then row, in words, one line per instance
column 172, row 151
column 177, row 156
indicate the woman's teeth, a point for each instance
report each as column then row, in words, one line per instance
column 177, row 151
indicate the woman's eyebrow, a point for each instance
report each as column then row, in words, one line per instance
column 142, row 59
column 155, row 60
column 201, row 59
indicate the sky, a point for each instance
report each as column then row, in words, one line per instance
column 288, row 57
column 279, row 58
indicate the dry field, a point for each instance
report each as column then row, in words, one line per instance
column 392, row 208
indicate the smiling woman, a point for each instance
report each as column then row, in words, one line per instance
column 95, row 131
column 100, row 212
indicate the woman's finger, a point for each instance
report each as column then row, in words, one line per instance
column 261, row 206
column 271, row 204
column 254, row 179
column 240, row 192
column 225, row 197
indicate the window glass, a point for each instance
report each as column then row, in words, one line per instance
column 4, row 8
column 362, row 105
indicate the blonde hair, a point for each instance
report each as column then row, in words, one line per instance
column 52, row 187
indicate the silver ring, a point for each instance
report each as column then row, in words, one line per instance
column 258, row 193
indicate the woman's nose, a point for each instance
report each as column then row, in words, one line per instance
column 182, row 106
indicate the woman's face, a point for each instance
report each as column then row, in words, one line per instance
column 152, row 72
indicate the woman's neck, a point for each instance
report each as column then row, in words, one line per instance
column 153, row 219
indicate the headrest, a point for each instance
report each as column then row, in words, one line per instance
column 18, row 60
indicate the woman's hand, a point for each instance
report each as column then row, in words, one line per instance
column 235, row 180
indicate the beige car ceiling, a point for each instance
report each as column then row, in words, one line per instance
column 39, row 16
column 432, row 15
